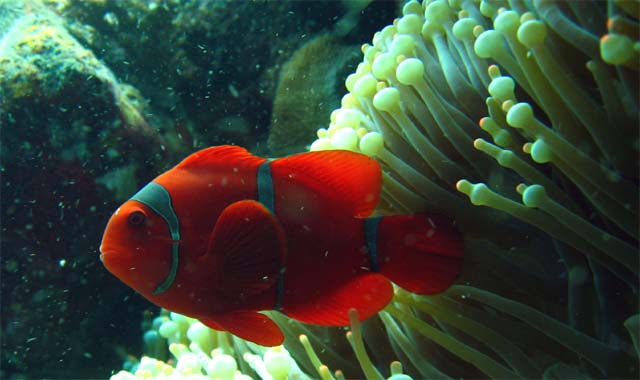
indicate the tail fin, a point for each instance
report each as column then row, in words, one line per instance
column 420, row 253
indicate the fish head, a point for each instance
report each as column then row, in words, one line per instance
column 137, row 247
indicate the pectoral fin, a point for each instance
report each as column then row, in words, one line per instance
column 248, row 325
column 247, row 248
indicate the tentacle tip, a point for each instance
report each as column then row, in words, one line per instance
column 534, row 196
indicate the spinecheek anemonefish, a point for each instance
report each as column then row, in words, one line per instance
column 225, row 235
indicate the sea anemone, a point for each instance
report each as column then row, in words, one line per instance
column 200, row 353
column 552, row 261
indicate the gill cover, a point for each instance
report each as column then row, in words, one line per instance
column 157, row 198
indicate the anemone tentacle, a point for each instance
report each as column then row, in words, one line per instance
column 550, row 173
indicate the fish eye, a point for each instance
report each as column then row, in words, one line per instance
column 136, row 218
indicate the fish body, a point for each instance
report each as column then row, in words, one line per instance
column 225, row 234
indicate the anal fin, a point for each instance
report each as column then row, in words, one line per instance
column 247, row 325
column 368, row 294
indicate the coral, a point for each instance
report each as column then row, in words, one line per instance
column 306, row 92
column 552, row 259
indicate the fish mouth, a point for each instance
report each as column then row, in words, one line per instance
column 107, row 256
column 102, row 253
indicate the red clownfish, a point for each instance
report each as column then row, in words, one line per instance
column 226, row 234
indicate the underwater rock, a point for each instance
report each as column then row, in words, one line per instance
column 211, row 59
column 121, row 181
column 65, row 120
column 42, row 66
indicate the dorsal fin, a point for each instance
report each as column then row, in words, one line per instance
column 224, row 155
column 349, row 181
